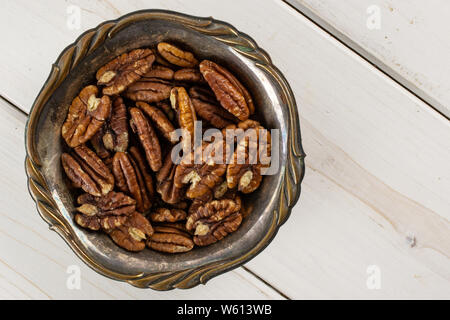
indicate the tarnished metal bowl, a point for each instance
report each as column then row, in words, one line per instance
column 208, row 38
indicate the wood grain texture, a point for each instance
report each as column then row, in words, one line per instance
column 410, row 44
column 34, row 260
column 377, row 179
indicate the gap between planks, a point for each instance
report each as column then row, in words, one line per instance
column 367, row 56
column 12, row 105
column 251, row 273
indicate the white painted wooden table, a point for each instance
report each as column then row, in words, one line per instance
column 373, row 106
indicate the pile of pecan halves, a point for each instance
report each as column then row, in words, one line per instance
column 119, row 135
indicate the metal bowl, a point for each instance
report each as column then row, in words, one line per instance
column 207, row 38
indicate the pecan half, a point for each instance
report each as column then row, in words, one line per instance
column 246, row 176
column 182, row 104
column 124, row 70
column 160, row 72
column 97, row 143
column 177, row 56
column 132, row 234
column 147, row 137
column 116, row 135
column 188, row 75
column 214, row 220
column 87, row 171
column 149, row 90
column 86, row 116
column 132, row 177
column 170, row 240
column 231, row 94
column 206, row 107
column 106, row 212
column 167, row 215
column 165, row 182
column 159, row 119
column 202, row 176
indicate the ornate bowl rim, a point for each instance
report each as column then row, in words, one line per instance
column 221, row 31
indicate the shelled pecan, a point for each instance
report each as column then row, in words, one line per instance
column 170, row 240
column 132, row 177
column 159, row 119
column 97, row 143
column 214, row 220
column 116, row 135
column 133, row 233
column 186, row 116
column 177, row 56
column 202, row 174
column 231, row 94
column 168, row 191
column 188, row 75
column 147, row 137
column 104, row 212
column 246, row 174
column 86, row 116
column 206, row 107
column 87, row 171
column 124, row 70
column 149, row 90
column 160, row 72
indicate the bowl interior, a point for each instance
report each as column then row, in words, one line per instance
column 270, row 108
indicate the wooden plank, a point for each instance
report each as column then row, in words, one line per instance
column 377, row 166
column 34, row 261
column 377, row 181
column 410, row 43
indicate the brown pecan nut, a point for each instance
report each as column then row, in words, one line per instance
column 167, row 215
column 133, row 233
column 160, row 72
column 206, row 107
column 202, row 174
column 170, row 240
column 139, row 160
column 165, row 182
column 251, row 157
column 87, row 171
column 247, row 177
column 182, row 104
column 132, row 177
column 115, row 137
column 97, row 143
column 106, row 212
column 86, row 116
column 124, row 70
column 159, row 119
column 188, row 75
column 147, row 137
column 214, row 220
column 161, row 61
column 149, row 90
column 231, row 94
column 177, row 56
